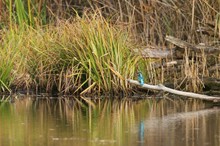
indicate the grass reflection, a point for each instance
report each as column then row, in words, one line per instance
column 111, row 122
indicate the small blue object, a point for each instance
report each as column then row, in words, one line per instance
column 140, row 78
column 141, row 131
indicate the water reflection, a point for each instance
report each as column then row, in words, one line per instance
column 108, row 122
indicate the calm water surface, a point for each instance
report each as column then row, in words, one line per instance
column 63, row 122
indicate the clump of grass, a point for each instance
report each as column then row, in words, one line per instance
column 8, row 54
column 7, row 57
column 5, row 75
column 84, row 55
column 104, row 53
column 45, row 65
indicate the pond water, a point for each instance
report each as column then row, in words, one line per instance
column 64, row 122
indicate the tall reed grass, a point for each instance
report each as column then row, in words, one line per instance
column 78, row 56
column 151, row 21
column 8, row 54
column 85, row 46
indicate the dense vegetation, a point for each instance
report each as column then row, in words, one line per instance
column 80, row 46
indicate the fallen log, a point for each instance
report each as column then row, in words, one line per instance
column 196, row 48
column 177, row 92
column 156, row 53
column 160, row 53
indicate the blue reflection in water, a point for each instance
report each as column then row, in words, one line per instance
column 141, row 132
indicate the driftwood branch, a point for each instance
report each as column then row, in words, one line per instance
column 177, row 92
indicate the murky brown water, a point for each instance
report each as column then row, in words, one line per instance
column 62, row 122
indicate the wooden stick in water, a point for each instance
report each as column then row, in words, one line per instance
column 177, row 92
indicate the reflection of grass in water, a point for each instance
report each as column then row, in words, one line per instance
column 107, row 121
column 12, row 124
column 165, row 107
column 110, row 120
